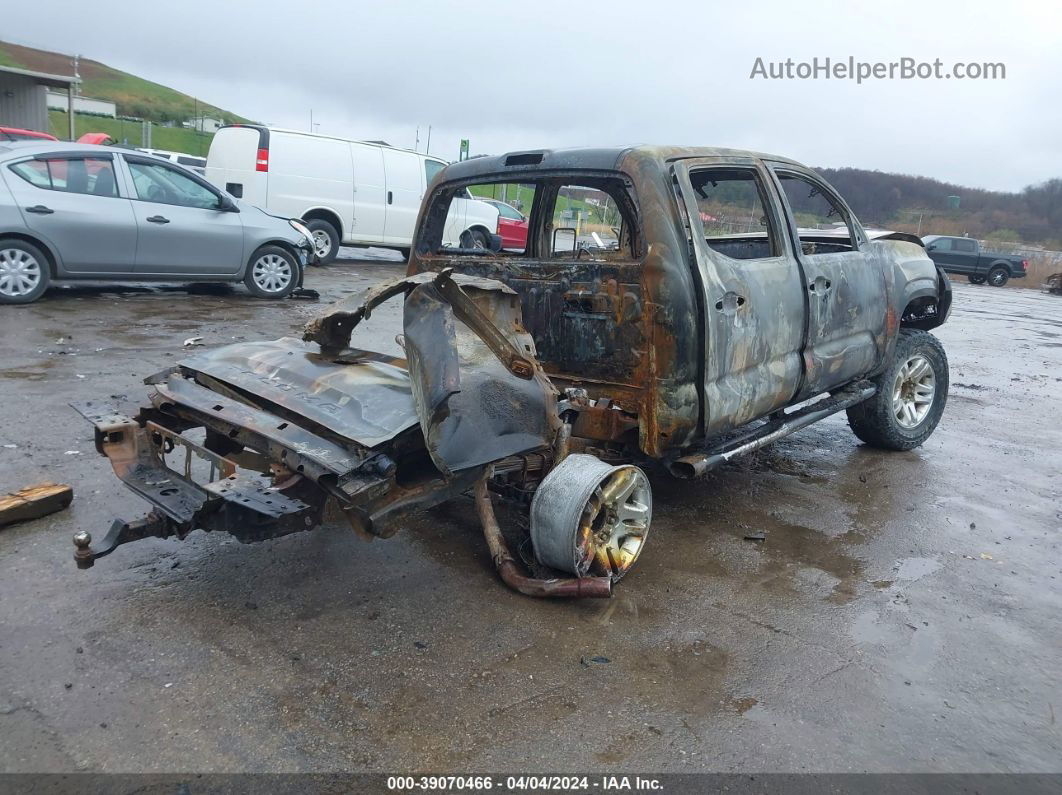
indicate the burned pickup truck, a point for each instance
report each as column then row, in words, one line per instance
column 673, row 308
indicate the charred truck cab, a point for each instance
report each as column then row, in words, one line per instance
column 673, row 308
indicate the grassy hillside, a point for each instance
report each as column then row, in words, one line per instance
column 909, row 204
column 133, row 95
column 175, row 139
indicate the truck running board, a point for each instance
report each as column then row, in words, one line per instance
column 703, row 461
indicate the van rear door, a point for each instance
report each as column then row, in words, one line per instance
column 370, row 203
column 405, row 189
column 232, row 163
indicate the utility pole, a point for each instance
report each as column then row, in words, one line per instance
column 73, row 90
column 416, row 143
column 311, row 119
column 427, row 149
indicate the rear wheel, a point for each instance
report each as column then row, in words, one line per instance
column 325, row 240
column 975, row 279
column 910, row 398
column 271, row 273
column 24, row 274
column 998, row 276
column 475, row 238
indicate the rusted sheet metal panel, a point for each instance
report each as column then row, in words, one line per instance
column 331, row 329
column 623, row 329
column 360, row 395
column 670, row 411
column 586, row 318
column 473, row 408
column 297, row 448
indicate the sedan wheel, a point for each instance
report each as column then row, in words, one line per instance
column 273, row 273
column 24, row 272
column 20, row 273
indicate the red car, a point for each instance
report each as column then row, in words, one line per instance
column 15, row 134
column 100, row 139
column 512, row 224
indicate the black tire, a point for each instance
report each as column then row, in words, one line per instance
column 875, row 421
column 475, row 238
column 976, row 279
column 20, row 261
column 998, row 276
column 319, row 227
column 270, row 258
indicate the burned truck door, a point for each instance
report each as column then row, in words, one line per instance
column 845, row 287
column 753, row 297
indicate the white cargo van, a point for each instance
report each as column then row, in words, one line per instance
column 350, row 192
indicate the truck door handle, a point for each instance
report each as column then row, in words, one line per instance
column 730, row 303
column 390, row 197
column 40, row 209
column 820, row 285
column 158, row 219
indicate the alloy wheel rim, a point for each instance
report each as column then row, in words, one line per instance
column 322, row 243
column 614, row 524
column 20, row 273
column 913, row 392
column 997, row 279
column 272, row 273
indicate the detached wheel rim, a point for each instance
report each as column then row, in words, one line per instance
column 913, row 392
column 271, row 273
column 20, row 273
column 591, row 518
column 614, row 523
column 322, row 243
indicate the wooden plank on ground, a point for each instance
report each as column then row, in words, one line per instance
column 33, row 502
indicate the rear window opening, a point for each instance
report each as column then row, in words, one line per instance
column 548, row 218
column 732, row 208
column 822, row 225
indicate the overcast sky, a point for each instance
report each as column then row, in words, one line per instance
column 511, row 75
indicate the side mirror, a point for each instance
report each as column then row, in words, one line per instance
column 227, row 205
column 931, row 246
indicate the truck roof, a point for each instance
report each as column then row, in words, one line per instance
column 594, row 159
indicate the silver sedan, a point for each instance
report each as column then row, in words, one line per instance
column 81, row 212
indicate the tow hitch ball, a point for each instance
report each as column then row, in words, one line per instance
column 120, row 532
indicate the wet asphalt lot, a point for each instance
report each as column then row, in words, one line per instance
column 903, row 613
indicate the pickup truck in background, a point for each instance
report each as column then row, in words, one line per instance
column 965, row 255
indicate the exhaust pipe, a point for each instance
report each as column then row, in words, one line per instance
column 509, row 570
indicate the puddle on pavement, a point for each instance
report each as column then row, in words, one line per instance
column 688, row 676
column 915, row 568
column 802, row 559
